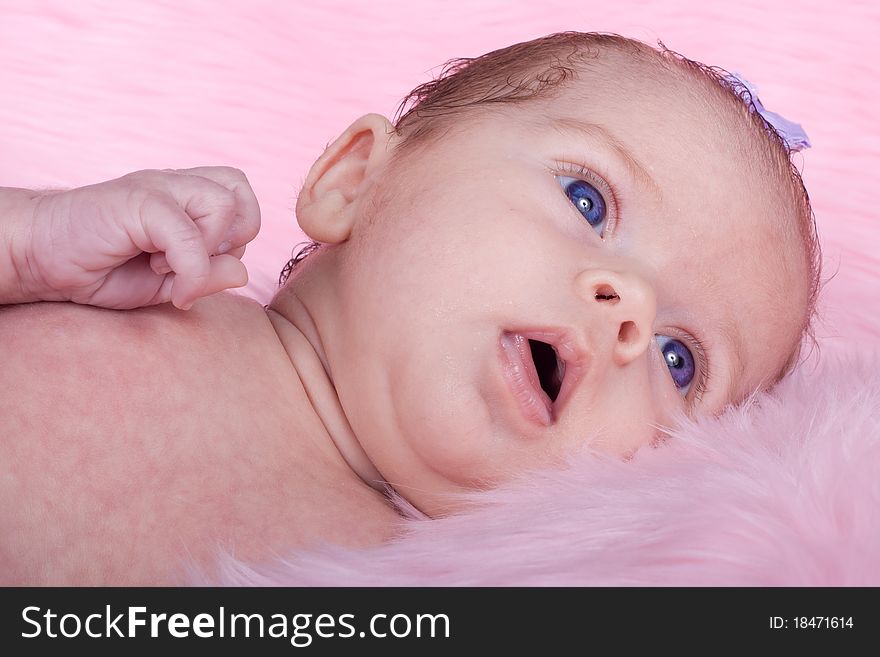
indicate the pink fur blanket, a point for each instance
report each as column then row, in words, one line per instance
column 783, row 491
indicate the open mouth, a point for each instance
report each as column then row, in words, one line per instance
column 549, row 366
column 535, row 372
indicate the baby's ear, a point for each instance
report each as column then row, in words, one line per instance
column 327, row 205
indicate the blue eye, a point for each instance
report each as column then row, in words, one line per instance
column 679, row 360
column 587, row 199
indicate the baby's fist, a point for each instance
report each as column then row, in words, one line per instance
column 143, row 239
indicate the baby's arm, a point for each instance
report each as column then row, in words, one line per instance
column 146, row 238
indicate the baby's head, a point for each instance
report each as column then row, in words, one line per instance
column 569, row 242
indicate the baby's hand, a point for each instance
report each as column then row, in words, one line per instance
column 143, row 239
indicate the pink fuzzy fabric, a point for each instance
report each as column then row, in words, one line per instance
column 782, row 492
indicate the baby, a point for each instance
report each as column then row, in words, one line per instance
column 569, row 243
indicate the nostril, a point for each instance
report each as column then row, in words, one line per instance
column 606, row 293
column 628, row 332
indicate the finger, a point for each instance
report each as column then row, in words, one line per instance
column 159, row 263
column 134, row 285
column 212, row 206
column 226, row 272
column 238, row 253
column 247, row 221
column 131, row 285
column 171, row 230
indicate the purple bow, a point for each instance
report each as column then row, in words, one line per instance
column 792, row 133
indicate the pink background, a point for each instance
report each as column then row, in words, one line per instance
column 785, row 493
column 92, row 89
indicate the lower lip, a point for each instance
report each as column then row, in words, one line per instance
column 522, row 379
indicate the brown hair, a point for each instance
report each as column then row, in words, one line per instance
column 541, row 67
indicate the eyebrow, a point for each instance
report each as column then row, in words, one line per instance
column 594, row 131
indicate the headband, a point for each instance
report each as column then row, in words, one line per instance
column 791, row 133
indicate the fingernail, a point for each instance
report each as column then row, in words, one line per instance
column 224, row 247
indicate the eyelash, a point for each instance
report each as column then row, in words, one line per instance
column 598, row 180
column 699, row 351
column 698, row 347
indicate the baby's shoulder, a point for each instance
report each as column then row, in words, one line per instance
column 111, row 420
column 77, row 327
column 54, row 351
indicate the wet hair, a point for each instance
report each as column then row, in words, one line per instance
column 540, row 68
column 300, row 252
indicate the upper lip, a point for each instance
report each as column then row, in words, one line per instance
column 568, row 351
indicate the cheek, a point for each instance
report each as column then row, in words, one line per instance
column 439, row 423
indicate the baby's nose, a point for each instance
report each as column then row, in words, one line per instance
column 625, row 306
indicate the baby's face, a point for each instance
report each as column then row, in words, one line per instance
column 555, row 275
